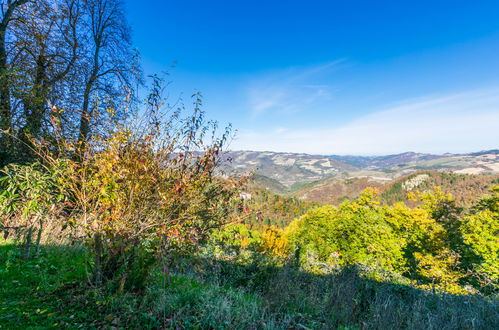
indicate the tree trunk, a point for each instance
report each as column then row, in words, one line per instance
column 85, row 118
column 5, row 115
column 35, row 103
column 6, row 142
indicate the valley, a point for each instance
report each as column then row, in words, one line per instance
column 331, row 179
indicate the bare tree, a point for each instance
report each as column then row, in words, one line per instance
column 110, row 66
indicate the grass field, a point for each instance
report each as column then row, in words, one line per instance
column 51, row 292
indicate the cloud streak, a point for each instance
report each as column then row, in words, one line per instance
column 459, row 122
column 289, row 91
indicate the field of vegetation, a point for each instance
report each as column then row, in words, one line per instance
column 113, row 213
column 51, row 291
column 363, row 264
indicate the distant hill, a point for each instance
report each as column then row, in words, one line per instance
column 286, row 168
column 382, row 162
column 269, row 183
column 331, row 178
column 464, row 187
column 335, row 190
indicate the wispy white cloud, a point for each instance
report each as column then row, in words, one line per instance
column 458, row 122
column 289, row 91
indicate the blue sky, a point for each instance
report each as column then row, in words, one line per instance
column 333, row 77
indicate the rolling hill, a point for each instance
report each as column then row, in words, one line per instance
column 286, row 168
column 463, row 187
column 331, row 178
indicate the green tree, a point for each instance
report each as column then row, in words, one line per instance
column 480, row 231
column 355, row 232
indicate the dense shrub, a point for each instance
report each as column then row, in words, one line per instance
column 31, row 199
column 140, row 193
column 480, row 231
column 435, row 244
column 234, row 242
column 355, row 232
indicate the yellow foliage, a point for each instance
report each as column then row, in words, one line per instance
column 441, row 269
column 274, row 241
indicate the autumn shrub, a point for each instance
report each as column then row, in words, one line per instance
column 150, row 191
column 274, row 242
column 235, row 242
column 141, row 192
column 239, row 243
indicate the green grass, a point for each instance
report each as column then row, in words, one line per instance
column 33, row 291
column 51, row 292
column 350, row 299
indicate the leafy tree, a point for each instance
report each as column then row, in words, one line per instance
column 356, row 232
column 480, row 230
column 436, row 259
column 9, row 11
column 63, row 63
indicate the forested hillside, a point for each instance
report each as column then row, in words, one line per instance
column 464, row 187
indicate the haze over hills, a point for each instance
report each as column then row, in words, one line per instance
column 290, row 172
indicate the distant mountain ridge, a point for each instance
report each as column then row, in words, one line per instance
column 377, row 162
column 286, row 172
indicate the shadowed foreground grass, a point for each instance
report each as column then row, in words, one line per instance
column 51, row 292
